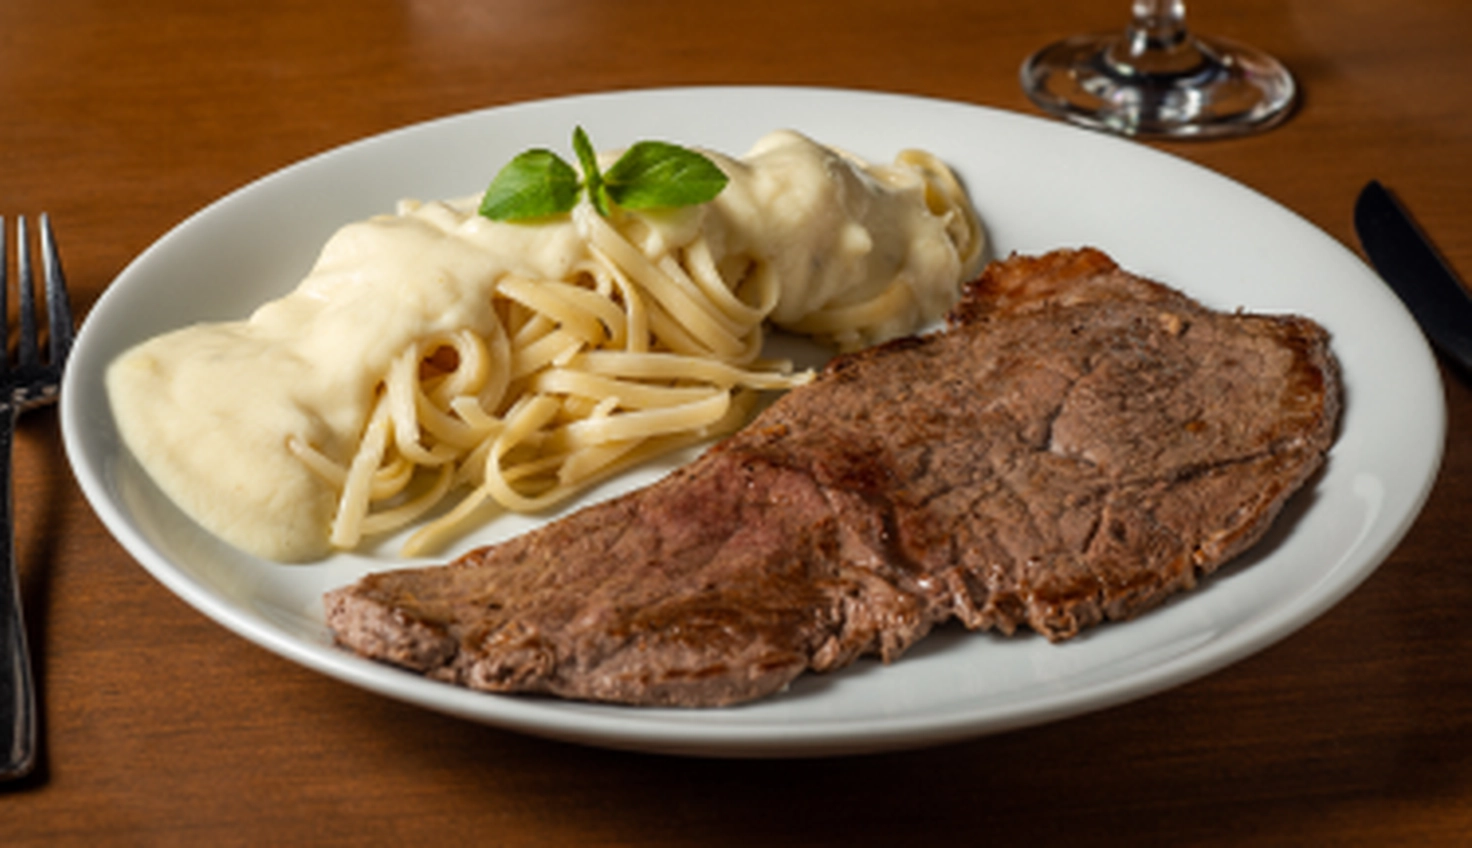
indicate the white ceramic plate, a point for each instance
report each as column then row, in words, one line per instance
column 1038, row 185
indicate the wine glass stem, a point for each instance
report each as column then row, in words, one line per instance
column 1157, row 23
column 1157, row 43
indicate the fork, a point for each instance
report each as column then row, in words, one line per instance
column 28, row 382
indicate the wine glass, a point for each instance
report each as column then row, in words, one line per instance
column 1158, row 79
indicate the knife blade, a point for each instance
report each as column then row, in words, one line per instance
column 1405, row 259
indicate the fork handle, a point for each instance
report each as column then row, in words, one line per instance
column 17, row 693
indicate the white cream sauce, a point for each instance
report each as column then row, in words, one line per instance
column 208, row 409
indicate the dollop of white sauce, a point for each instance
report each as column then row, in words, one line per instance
column 836, row 230
column 208, row 409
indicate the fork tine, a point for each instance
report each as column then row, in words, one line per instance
column 58, row 301
column 28, row 353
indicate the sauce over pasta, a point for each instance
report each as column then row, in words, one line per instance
column 434, row 362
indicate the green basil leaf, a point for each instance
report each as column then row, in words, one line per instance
column 655, row 174
column 592, row 179
column 536, row 184
column 649, row 175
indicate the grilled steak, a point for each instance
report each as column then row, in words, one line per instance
column 1076, row 446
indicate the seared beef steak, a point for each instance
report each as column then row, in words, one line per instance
column 1078, row 445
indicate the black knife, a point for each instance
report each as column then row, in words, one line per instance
column 1407, row 261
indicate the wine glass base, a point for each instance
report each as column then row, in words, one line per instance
column 1224, row 89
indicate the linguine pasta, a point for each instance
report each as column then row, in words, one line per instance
column 576, row 379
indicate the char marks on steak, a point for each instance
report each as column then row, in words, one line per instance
column 1076, row 446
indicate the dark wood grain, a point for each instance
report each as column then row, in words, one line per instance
column 121, row 119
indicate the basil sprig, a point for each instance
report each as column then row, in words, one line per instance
column 649, row 175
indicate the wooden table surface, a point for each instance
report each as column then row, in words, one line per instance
column 160, row 727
